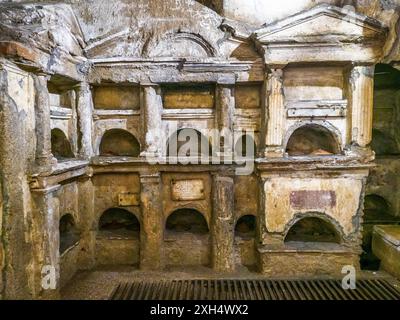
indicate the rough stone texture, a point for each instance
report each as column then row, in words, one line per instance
column 145, row 69
column 386, row 246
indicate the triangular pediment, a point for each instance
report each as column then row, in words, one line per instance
column 323, row 23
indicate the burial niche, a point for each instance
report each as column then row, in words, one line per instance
column 188, row 143
column 313, row 229
column 119, row 223
column 69, row 234
column 312, row 140
column 187, row 241
column 60, row 146
column 245, row 232
column 119, row 143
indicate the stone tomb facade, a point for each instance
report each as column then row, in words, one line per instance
column 79, row 121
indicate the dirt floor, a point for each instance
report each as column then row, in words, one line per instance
column 99, row 284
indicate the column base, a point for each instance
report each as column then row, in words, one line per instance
column 365, row 153
column 45, row 164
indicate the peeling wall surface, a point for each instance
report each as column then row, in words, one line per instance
column 95, row 95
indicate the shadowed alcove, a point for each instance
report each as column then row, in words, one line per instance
column 69, row 234
column 187, row 240
column 118, row 238
column 60, row 146
column 313, row 229
column 121, row 223
column 312, row 140
column 245, row 233
column 384, row 144
column 188, row 143
column 119, row 143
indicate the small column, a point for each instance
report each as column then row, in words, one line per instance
column 152, row 228
column 362, row 105
column 85, row 120
column 152, row 108
column 275, row 114
column 44, row 157
column 223, row 225
column 226, row 113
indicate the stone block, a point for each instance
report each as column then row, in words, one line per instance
column 386, row 246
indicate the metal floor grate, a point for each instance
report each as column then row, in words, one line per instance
column 254, row 290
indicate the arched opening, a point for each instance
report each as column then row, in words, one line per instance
column 119, row 143
column 187, row 241
column 312, row 140
column 384, row 144
column 119, row 223
column 245, row 245
column 118, row 238
column 246, row 227
column 386, row 133
column 188, row 143
column 246, row 147
column 313, row 229
column 60, row 146
column 375, row 208
column 377, row 211
column 69, row 234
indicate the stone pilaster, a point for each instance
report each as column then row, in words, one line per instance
column 88, row 223
column 222, row 230
column 362, row 105
column 225, row 106
column 44, row 157
column 85, row 120
column 15, row 251
column 46, row 242
column 275, row 113
column 152, row 227
column 152, row 107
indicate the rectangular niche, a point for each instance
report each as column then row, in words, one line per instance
column 248, row 96
column 113, row 97
column 188, row 97
column 310, row 83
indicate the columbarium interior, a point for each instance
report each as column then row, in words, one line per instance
column 93, row 94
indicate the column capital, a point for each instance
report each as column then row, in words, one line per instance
column 226, row 80
column 223, row 177
column 42, row 75
column 271, row 68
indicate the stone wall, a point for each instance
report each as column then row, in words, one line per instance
column 128, row 75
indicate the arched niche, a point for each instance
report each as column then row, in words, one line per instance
column 119, row 143
column 60, row 145
column 116, row 222
column 245, row 242
column 246, row 227
column 188, row 143
column 180, row 45
column 376, row 207
column 313, row 230
column 186, row 221
column 187, row 240
column 69, row 234
column 312, row 140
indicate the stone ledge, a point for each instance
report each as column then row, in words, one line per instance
column 386, row 246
